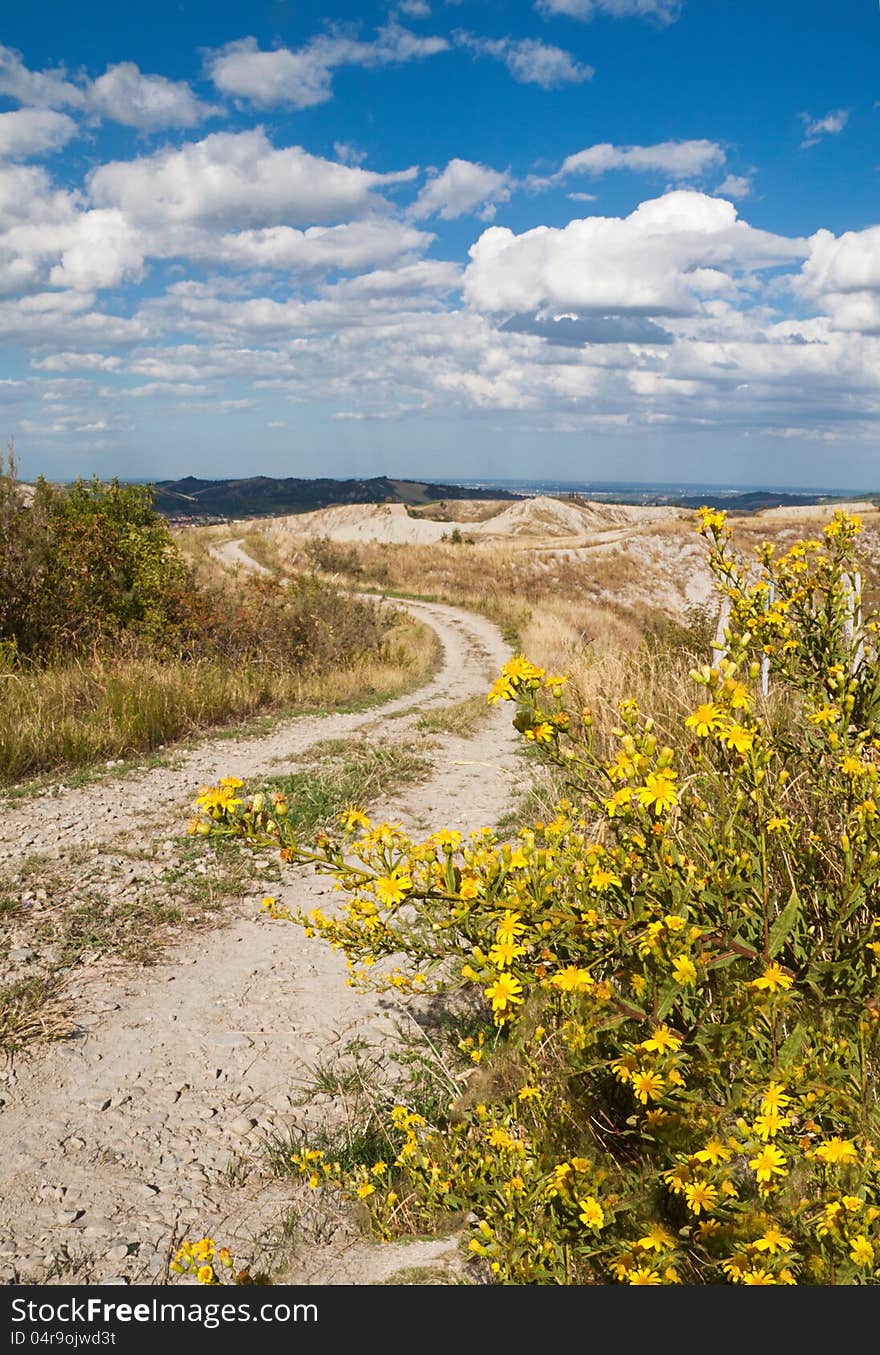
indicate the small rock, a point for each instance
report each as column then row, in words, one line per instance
column 145, row 1191
column 243, row 1124
column 68, row 1216
column 119, row 1251
column 98, row 1102
column 22, row 953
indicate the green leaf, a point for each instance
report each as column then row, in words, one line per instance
column 784, row 923
column 667, row 997
column 793, row 1045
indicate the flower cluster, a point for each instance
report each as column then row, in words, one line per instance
column 203, row 1259
column 678, row 972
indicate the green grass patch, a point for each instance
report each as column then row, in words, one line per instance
column 345, row 772
column 461, row 719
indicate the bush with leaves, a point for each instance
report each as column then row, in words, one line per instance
column 677, row 1077
column 86, row 565
column 92, row 568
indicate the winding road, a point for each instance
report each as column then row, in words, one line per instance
column 148, row 1125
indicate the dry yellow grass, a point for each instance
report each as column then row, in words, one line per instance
column 555, row 608
column 73, row 715
column 583, row 606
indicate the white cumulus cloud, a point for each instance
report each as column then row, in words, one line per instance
column 33, row 131
column 842, row 273
column 77, row 362
column 371, row 243
column 463, row 186
column 735, row 186
column 44, row 89
column 239, row 179
column 663, row 259
column 100, row 249
column 124, row 94
column 678, row 159
column 302, row 78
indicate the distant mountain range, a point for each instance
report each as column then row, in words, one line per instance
column 263, row 496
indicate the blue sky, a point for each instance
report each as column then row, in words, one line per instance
column 590, row 239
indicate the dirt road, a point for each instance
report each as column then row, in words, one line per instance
column 147, row 1125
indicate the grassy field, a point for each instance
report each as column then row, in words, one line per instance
column 73, row 715
column 625, row 612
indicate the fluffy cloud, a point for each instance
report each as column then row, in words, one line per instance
column 842, row 273
column 462, row 187
column 303, row 78
column 46, row 239
column 664, row 11
column 735, row 186
column 204, row 202
column 33, row 131
column 45, row 89
column 529, row 61
column 123, row 94
column 99, row 249
column 237, row 179
column 662, row 260
column 678, row 159
column 267, row 79
column 411, row 280
column 350, row 247
column 67, row 320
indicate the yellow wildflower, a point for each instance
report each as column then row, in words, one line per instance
column 647, row 1086
column 705, row 719
column 658, row 792
column 661, row 1039
column 714, row 1152
column 393, row 888
column 656, row 1239
column 837, row 1150
column 684, row 970
column 592, row 1214
column 739, row 738
column 504, row 993
column 774, row 978
column 769, row 1162
column 701, row 1197
column 772, row 1241
column 643, row 1275
column 572, row 980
